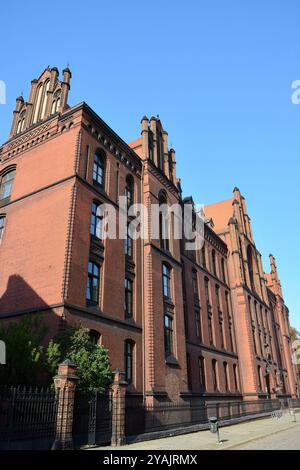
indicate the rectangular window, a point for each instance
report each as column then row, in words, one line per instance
column 93, row 282
column 218, row 297
column 96, row 221
column 168, row 327
column 207, row 291
column 128, row 306
column 2, row 221
column 226, row 376
column 128, row 245
column 198, row 324
column 129, row 361
column 214, row 375
column 189, row 375
column 6, row 183
column 167, row 282
column 221, row 333
column 195, row 284
column 202, row 373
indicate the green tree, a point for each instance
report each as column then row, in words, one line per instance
column 92, row 361
column 24, row 353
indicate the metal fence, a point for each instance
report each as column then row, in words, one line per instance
column 143, row 418
column 27, row 418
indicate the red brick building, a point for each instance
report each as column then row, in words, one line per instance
column 179, row 323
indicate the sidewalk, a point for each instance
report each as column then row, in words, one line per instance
column 231, row 436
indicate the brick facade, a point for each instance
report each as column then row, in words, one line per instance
column 46, row 246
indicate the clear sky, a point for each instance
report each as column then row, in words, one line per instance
column 217, row 72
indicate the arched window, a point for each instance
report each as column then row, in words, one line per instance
column 166, row 273
column 129, row 361
column 45, row 98
column 214, row 375
column 2, row 223
column 96, row 221
column 129, row 191
column 250, row 267
column 38, row 103
column 95, row 337
column 99, row 169
column 56, row 102
column 93, row 283
column 164, row 235
column 21, row 122
column 6, row 182
column 225, row 367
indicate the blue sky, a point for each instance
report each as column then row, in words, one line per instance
column 219, row 75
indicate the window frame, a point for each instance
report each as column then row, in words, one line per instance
column 99, row 167
column 90, row 278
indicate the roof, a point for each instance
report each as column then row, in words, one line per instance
column 220, row 212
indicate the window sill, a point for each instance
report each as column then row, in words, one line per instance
column 172, row 361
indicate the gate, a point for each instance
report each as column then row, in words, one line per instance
column 92, row 419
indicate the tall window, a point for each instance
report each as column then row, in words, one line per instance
column 129, row 191
column 6, row 183
column 21, row 122
column 188, row 366
column 166, row 272
column 96, row 221
column 223, row 270
column 259, row 378
column 218, row 297
column 168, row 330
column 128, row 306
column 235, row 377
column 198, row 324
column 221, row 332
column 164, row 223
column 203, row 256
column 207, row 296
column 202, row 372
column 2, row 222
column 195, row 284
column 225, row 367
column 128, row 243
column 93, row 283
column 229, row 320
column 250, row 267
column 128, row 359
column 214, row 375
column 99, row 169
column 214, row 266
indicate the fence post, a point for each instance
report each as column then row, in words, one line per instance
column 118, row 389
column 65, row 383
